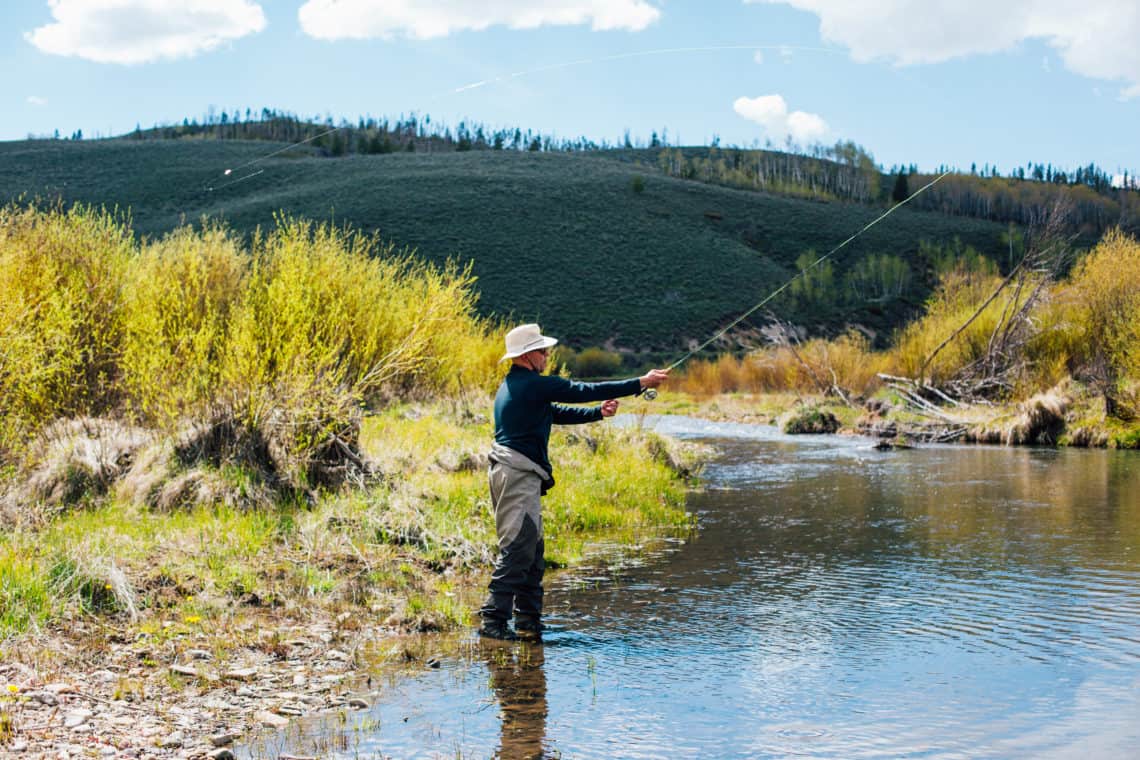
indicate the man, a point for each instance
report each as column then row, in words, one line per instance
column 526, row 405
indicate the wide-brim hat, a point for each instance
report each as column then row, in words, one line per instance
column 526, row 338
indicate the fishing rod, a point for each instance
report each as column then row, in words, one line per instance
column 651, row 393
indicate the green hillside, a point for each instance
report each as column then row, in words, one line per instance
column 562, row 238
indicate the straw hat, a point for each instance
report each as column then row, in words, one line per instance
column 526, row 338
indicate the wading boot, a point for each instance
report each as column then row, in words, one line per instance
column 529, row 627
column 493, row 628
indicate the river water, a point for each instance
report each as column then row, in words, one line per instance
column 837, row 602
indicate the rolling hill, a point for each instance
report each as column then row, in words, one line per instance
column 567, row 239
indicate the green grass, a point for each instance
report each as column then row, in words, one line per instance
column 411, row 551
column 560, row 238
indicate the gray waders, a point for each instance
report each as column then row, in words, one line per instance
column 516, row 496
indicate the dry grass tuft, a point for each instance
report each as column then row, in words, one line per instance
column 1040, row 420
column 810, row 420
column 72, row 462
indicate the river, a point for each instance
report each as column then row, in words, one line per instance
column 837, row 602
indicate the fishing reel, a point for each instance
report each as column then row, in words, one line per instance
column 649, row 394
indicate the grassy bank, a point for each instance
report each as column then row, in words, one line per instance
column 401, row 554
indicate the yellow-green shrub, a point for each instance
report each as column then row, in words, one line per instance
column 1106, row 292
column 958, row 296
column 60, row 275
column 178, row 297
column 286, row 340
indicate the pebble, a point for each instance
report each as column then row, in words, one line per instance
column 45, row 698
column 221, row 754
column 76, row 718
column 358, row 703
column 184, row 670
column 199, row 654
column 241, row 674
column 336, row 654
column 221, row 740
column 270, row 720
column 18, row 746
column 60, row 688
column 172, row 741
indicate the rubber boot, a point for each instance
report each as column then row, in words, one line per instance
column 496, row 628
column 529, row 627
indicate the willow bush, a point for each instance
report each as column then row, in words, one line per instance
column 1104, row 309
column 179, row 295
column 61, row 276
column 286, row 338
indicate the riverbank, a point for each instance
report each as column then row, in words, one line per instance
column 1068, row 415
column 137, row 632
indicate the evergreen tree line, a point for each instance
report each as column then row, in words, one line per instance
column 367, row 136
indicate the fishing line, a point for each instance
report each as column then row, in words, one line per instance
column 633, row 54
column 267, row 156
column 803, row 273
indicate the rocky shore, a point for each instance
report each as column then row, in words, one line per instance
column 178, row 698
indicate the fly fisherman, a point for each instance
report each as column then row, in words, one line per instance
column 526, row 405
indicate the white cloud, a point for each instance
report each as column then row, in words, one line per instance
column 1093, row 38
column 36, row 100
column 139, row 31
column 758, row 56
column 425, row 19
column 771, row 113
column 1119, row 180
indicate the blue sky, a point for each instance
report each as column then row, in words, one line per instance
column 913, row 81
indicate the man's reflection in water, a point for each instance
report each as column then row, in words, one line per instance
column 519, row 682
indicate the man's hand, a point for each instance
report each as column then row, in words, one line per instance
column 609, row 408
column 654, row 378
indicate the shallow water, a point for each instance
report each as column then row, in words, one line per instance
column 838, row 602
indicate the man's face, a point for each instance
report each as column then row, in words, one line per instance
column 538, row 358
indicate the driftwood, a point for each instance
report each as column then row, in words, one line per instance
column 996, row 371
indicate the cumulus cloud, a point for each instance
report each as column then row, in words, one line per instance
column 425, row 19
column 139, row 31
column 1093, row 38
column 771, row 113
column 36, row 100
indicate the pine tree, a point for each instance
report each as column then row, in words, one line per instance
column 901, row 190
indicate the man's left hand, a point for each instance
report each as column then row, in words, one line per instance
column 609, row 408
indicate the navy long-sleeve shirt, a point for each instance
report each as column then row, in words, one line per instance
column 526, row 405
